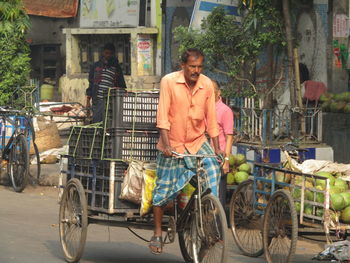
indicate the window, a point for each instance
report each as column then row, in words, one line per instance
column 91, row 47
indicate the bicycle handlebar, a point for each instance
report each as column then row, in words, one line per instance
column 180, row 155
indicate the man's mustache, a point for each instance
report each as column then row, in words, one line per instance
column 195, row 75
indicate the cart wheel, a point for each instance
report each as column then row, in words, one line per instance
column 211, row 246
column 73, row 220
column 280, row 228
column 19, row 163
column 246, row 225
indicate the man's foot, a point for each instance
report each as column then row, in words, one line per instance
column 156, row 245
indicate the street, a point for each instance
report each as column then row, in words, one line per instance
column 29, row 234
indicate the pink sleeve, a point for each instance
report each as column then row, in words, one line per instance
column 227, row 121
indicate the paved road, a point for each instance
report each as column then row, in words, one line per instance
column 29, row 234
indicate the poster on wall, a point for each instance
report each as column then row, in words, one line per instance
column 341, row 25
column 109, row 13
column 144, row 55
column 203, row 8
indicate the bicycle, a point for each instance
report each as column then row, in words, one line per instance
column 15, row 151
column 201, row 226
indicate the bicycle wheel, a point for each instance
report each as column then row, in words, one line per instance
column 19, row 163
column 246, row 226
column 73, row 221
column 211, row 246
column 280, row 228
column 188, row 239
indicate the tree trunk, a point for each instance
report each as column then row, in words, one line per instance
column 287, row 21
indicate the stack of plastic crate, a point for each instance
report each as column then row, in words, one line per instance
column 130, row 125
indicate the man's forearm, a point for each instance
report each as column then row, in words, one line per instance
column 164, row 137
column 215, row 141
column 229, row 142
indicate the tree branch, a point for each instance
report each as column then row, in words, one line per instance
column 238, row 78
column 277, row 83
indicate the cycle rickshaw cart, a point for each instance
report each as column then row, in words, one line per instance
column 270, row 210
column 91, row 194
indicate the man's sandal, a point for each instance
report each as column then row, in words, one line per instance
column 156, row 245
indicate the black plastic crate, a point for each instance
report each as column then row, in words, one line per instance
column 131, row 110
column 131, row 144
column 94, row 176
column 86, row 142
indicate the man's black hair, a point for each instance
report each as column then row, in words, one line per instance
column 109, row 46
column 191, row 52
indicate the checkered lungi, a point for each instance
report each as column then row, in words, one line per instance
column 174, row 173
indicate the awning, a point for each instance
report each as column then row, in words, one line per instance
column 52, row 8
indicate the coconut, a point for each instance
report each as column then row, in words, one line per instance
column 231, row 160
column 346, row 197
column 319, row 212
column 245, row 167
column 323, row 182
column 309, row 195
column 297, row 206
column 296, row 193
column 325, row 97
column 308, row 209
column 241, row 176
column 341, row 184
column 230, row 178
column 334, row 190
column 337, row 202
column 345, row 215
column 239, row 159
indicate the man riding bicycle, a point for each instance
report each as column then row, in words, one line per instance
column 186, row 110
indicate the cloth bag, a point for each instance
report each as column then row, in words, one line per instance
column 131, row 189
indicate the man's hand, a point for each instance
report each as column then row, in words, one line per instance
column 168, row 151
column 226, row 166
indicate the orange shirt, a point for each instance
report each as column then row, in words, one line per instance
column 184, row 114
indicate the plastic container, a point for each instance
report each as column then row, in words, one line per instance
column 131, row 144
column 86, row 142
column 95, row 178
column 131, row 110
column 46, row 92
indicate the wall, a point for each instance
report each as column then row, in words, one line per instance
column 75, row 83
column 48, row 30
column 340, row 76
column 336, row 133
column 312, row 32
column 177, row 13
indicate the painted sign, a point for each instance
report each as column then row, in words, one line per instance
column 203, row 8
column 144, row 55
column 109, row 13
column 341, row 26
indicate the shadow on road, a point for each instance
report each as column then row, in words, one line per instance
column 114, row 252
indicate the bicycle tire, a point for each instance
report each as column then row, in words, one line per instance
column 280, row 227
column 19, row 157
column 73, row 220
column 214, row 226
column 246, row 226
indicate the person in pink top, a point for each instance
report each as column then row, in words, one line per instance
column 224, row 116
